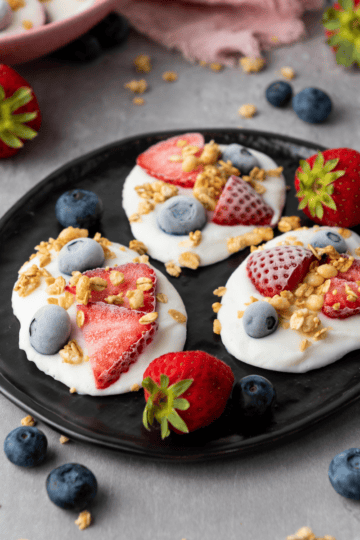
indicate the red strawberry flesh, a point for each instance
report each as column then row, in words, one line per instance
column 132, row 272
column 342, row 299
column 239, row 204
column 278, row 268
column 114, row 339
column 156, row 161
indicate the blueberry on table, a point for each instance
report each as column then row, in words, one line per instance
column 78, row 208
column 71, row 486
column 26, row 446
column 181, row 215
column 329, row 238
column 344, row 473
column 260, row 319
column 80, row 255
column 50, row 329
column 312, row 105
column 278, row 93
column 111, row 31
column 254, row 395
column 240, row 157
column 83, row 49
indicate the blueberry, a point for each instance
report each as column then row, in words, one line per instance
column 344, row 473
column 84, row 49
column 181, row 215
column 312, row 105
column 254, row 395
column 111, row 31
column 260, row 319
column 50, row 329
column 78, row 208
column 329, row 238
column 71, row 486
column 80, row 255
column 240, row 157
column 25, row 446
column 278, row 93
column 5, row 14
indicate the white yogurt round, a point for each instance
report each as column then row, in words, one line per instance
column 170, row 336
column 281, row 350
column 213, row 247
column 30, row 15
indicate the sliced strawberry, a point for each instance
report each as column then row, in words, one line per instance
column 156, row 161
column 239, row 204
column 278, row 268
column 114, row 338
column 342, row 299
column 132, row 272
column 353, row 274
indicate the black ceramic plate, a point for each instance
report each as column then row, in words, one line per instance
column 116, row 421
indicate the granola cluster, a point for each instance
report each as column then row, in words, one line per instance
column 253, row 238
column 72, row 353
column 152, row 193
column 305, row 533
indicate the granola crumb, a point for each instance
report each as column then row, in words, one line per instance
column 138, row 101
column 28, row 25
column 28, row 421
column 170, row 76
column 305, row 533
column 142, row 63
column 149, row 318
column 217, row 327
column 216, row 66
column 345, row 233
column 162, row 298
column 251, row 65
column 16, row 4
column 177, row 316
column 137, row 87
column 248, row 110
column 287, row 72
column 63, row 439
column 240, row 314
column 135, row 387
column 138, row 246
column 216, row 306
column 220, row 291
column 72, row 353
column 289, row 223
column 72, row 390
column 84, row 520
column 173, row 269
column 189, row 260
column 195, row 238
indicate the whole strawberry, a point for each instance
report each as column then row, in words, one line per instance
column 328, row 187
column 20, row 117
column 192, row 382
column 342, row 24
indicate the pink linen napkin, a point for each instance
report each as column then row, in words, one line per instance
column 219, row 30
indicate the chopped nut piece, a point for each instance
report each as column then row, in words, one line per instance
column 98, row 284
column 83, row 290
column 144, row 284
column 189, row 260
column 327, row 271
column 253, row 238
column 72, row 353
column 28, row 421
column 173, row 269
column 195, row 238
column 116, row 277
column 84, row 520
column 116, row 299
column 63, row 439
column 170, row 76
column 217, row 326
column 305, row 343
column 220, row 291
column 248, row 110
column 240, row 314
column 289, row 223
column 287, row 72
column 149, row 318
column 142, row 63
column 162, row 298
column 216, row 307
column 138, row 87
column 135, row 387
column 136, row 299
column 190, row 163
column 252, row 65
column 138, row 246
column 80, row 318
column 345, row 233
column 177, row 316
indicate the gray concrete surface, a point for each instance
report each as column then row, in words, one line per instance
column 272, row 493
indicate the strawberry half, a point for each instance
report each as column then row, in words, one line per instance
column 278, row 268
column 20, row 117
column 328, row 187
column 157, row 160
column 239, row 204
column 132, row 272
column 192, row 382
column 342, row 28
column 114, row 338
column 342, row 299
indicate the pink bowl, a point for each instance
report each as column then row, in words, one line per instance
column 19, row 48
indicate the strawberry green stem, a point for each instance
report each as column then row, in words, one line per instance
column 12, row 126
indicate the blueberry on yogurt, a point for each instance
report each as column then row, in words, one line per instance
column 181, row 215
column 78, row 208
column 25, row 446
column 80, row 255
column 279, row 93
column 71, row 486
column 323, row 238
column 260, row 319
column 240, row 157
column 312, row 105
column 50, row 329
column 254, row 395
column 5, row 14
column 344, row 473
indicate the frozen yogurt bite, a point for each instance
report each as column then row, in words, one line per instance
column 195, row 204
column 293, row 304
column 19, row 16
column 93, row 313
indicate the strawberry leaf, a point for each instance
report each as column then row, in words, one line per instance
column 25, row 132
column 344, row 55
column 22, row 96
column 181, row 404
column 180, row 387
column 24, row 117
column 165, row 432
column 347, row 5
column 149, row 385
column 303, row 204
column 11, row 140
column 329, row 202
column 331, row 164
column 331, row 24
column 176, row 421
column 164, row 381
column 319, row 210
